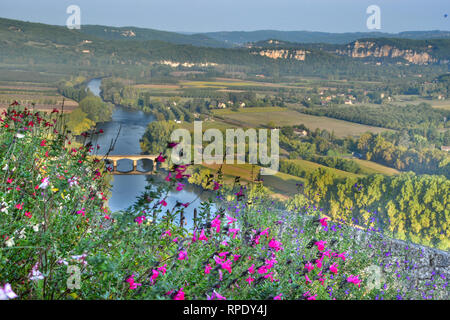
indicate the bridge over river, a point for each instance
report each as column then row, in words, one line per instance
column 135, row 158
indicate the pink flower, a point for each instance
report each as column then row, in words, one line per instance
column 82, row 212
column 180, row 186
column 166, row 233
column 140, row 219
column 320, row 245
column 168, row 177
column 250, row 280
column 227, row 265
column 278, row 297
column 262, row 270
column 216, row 296
column 160, row 158
column 202, row 236
column 216, row 186
column 216, row 224
column 309, row 266
column 275, row 245
column 234, row 232
column 323, row 221
column 9, row 180
column 333, row 268
column 231, row 220
column 154, row 275
column 354, row 279
column 208, row 269
column 182, row 255
column 251, row 270
column 19, row 206
column 28, row 214
column 270, row 276
column 179, row 295
column 319, row 263
column 326, row 253
column 307, row 279
column 163, row 203
column 340, row 255
column 312, row 297
column 265, row 232
column 132, row 284
column 163, row 269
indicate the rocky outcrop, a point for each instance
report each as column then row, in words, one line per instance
column 366, row 49
column 299, row 55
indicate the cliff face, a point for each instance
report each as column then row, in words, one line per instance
column 282, row 54
column 365, row 49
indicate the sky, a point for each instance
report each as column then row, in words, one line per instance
column 238, row 15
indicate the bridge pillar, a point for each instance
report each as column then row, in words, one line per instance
column 135, row 165
column 114, row 165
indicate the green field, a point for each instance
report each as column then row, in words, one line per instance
column 309, row 166
column 284, row 117
column 369, row 167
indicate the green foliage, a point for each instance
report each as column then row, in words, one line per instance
column 95, row 109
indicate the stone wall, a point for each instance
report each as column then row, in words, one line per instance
column 423, row 265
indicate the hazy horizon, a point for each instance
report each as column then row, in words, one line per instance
column 199, row 16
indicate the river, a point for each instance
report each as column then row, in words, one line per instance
column 126, row 188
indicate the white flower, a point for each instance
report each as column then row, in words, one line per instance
column 44, row 184
column 5, row 168
column 36, row 228
column 6, row 292
column 35, row 273
column 19, row 135
column 10, row 242
column 22, row 234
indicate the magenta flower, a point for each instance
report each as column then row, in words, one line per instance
column 208, row 269
column 234, row 232
column 163, row 203
column 251, row 270
column 323, row 221
column 275, row 245
column 132, row 284
column 333, row 268
column 309, row 266
column 166, row 233
column 160, row 158
column 354, row 279
column 265, row 232
column 180, row 186
column 270, row 276
column 154, row 275
column 139, row 219
column 163, row 269
column 320, row 245
column 216, row 296
column 202, row 236
column 216, row 224
column 182, row 255
column 250, row 280
column 231, row 220
column 179, row 295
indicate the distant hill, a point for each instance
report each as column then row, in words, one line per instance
column 242, row 37
column 142, row 34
